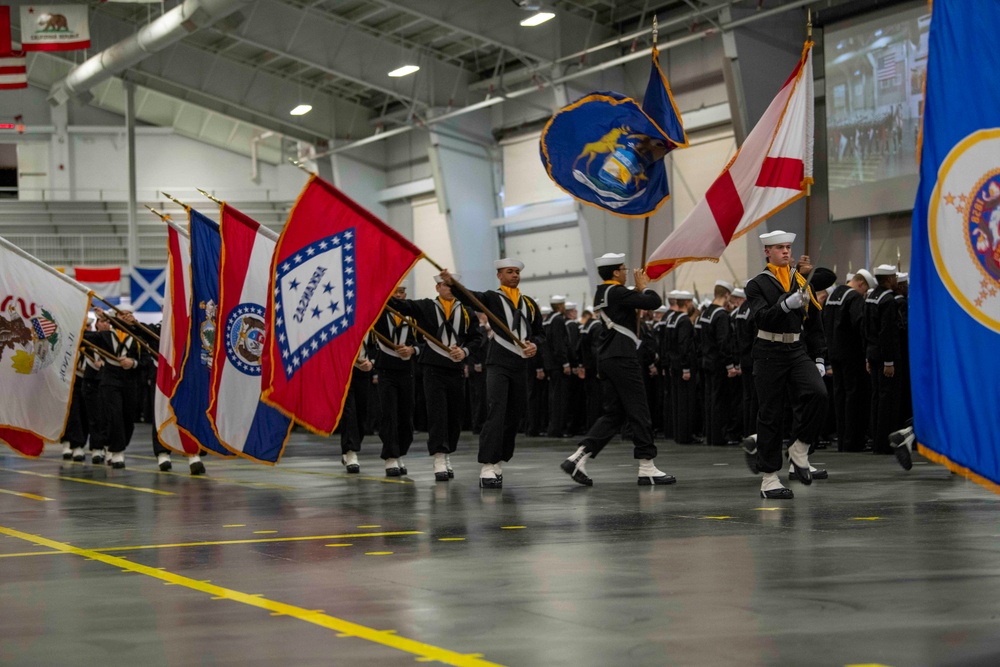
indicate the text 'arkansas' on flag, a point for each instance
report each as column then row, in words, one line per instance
column 334, row 268
column 173, row 342
column 191, row 395
column 42, row 317
column 607, row 150
column 244, row 424
column 772, row 169
column 954, row 299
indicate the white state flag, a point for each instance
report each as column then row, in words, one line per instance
column 55, row 27
column 42, row 317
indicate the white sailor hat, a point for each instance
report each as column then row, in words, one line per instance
column 682, row 295
column 571, row 306
column 850, row 276
column 902, row 277
column 776, row 237
column 705, row 303
column 610, row 259
column 740, row 293
column 124, row 308
column 508, row 263
column 885, row 270
column 556, row 299
column 545, row 310
column 457, row 276
column 723, row 283
column 662, row 309
column 869, row 278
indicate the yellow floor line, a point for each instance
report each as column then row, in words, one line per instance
column 90, row 481
column 383, row 637
column 25, row 495
column 261, row 540
column 32, row 553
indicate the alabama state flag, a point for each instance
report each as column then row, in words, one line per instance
column 333, row 271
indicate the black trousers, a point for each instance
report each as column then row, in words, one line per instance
column 592, row 391
column 750, row 404
column 506, row 396
column 785, row 372
column 666, row 405
column 96, row 421
column 352, row 419
column 119, row 404
column 444, row 390
column 558, row 402
column 623, row 393
column 395, row 394
column 76, row 422
column 477, row 394
column 851, row 403
column 717, row 412
column 682, row 406
column 884, row 408
column 538, row 402
column 734, row 408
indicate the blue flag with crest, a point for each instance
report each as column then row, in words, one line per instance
column 191, row 397
column 955, row 278
column 607, row 149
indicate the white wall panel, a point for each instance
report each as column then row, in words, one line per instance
column 549, row 255
column 524, row 178
column 430, row 234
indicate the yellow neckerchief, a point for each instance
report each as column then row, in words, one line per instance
column 121, row 335
column 397, row 319
column 513, row 293
column 612, row 282
column 784, row 276
column 447, row 305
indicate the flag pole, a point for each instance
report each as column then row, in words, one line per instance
column 165, row 217
column 302, row 166
column 413, row 323
column 261, row 229
column 481, row 308
column 100, row 350
column 125, row 326
column 385, row 340
column 217, row 201
column 42, row 265
column 809, row 34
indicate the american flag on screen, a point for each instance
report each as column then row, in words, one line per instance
column 887, row 67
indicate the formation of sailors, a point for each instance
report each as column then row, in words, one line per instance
column 791, row 359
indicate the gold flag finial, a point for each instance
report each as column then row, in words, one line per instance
column 809, row 23
column 217, row 201
column 160, row 215
column 656, row 31
column 302, row 166
column 176, row 201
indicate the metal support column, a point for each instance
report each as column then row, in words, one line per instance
column 133, row 230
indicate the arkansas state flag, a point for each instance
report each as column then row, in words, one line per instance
column 243, row 423
column 191, row 395
column 333, row 272
column 607, row 150
column 106, row 282
column 954, row 303
column 42, row 317
column 173, row 341
column 771, row 170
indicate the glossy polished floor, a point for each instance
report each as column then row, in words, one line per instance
column 303, row 565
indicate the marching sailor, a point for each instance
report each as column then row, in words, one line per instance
column 506, row 365
column 788, row 360
column 443, row 368
column 621, row 373
column 394, row 365
column 881, row 324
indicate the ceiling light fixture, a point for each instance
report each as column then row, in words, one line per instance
column 403, row 71
column 537, row 19
column 301, row 110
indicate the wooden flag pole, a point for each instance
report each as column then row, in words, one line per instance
column 413, row 323
column 125, row 326
column 100, row 350
column 386, row 340
column 481, row 308
column 165, row 217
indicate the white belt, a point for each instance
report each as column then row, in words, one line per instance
column 779, row 337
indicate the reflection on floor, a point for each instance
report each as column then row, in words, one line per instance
column 302, row 564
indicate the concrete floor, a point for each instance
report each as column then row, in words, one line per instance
column 303, row 565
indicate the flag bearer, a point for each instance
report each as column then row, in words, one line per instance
column 118, row 383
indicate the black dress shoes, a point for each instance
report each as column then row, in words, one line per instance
column 393, row 472
column 166, row 466
column 197, row 468
column 777, row 494
column 569, row 467
column 819, row 474
column 659, row 480
column 441, row 476
column 490, row 483
column 802, row 474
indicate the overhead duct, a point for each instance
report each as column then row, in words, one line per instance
column 187, row 17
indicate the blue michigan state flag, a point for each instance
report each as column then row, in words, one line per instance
column 607, row 150
column 191, row 397
column 955, row 279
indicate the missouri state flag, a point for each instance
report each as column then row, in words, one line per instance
column 333, row 271
column 173, row 341
column 191, row 394
column 607, row 149
column 771, row 170
column 244, row 424
column 954, row 301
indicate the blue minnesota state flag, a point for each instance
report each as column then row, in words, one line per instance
column 607, row 150
column 955, row 277
column 191, row 397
